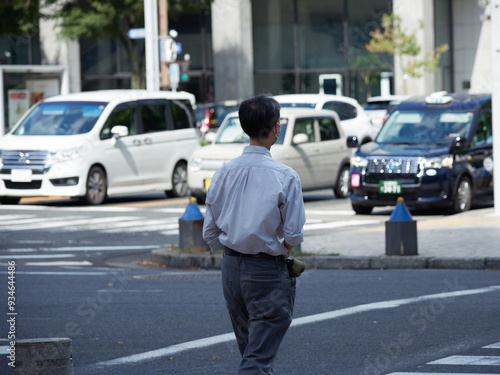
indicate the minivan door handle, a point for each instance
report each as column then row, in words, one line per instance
column 137, row 142
column 148, row 141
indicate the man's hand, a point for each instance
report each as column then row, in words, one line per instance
column 289, row 247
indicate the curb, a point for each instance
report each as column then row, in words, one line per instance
column 213, row 262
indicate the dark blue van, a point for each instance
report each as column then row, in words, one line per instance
column 434, row 151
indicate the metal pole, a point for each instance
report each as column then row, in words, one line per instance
column 2, row 107
column 151, row 40
column 495, row 103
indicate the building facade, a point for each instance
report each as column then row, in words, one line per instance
column 243, row 47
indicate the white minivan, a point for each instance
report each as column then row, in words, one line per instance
column 96, row 144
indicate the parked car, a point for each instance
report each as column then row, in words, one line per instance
column 377, row 107
column 434, row 151
column 210, row 116
column 94, row 144
column 354, row 120
column 311, row 142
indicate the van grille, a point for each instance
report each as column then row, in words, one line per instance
column 398, row 166
column 34, row 160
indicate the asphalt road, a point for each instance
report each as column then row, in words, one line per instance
column 156, row 321
column 70, row 281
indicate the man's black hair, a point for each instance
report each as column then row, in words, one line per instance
column 258, row 115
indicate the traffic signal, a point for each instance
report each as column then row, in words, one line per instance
column 184, row 71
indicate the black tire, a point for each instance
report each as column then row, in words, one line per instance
column 97, row 186
column 462, row 199
column 361, row 210
column 179, row 181
column 341, row 189
column 9, row 200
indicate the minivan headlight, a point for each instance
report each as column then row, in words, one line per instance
column 60, row 156
column 438, row 162
column 359, row 161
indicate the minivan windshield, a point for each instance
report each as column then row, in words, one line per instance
column 232, row 132
column 61, row 118
column 439, row 126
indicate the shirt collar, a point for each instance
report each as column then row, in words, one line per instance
column 256, row 150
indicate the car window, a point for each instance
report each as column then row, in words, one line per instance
column 61, row 118
column 305, row 126
column 153, row 117
column 344, row 110
column 425, row 126
column 121, row 115
column 484, row 132
column 180, row 116
column 232, row 132
column 328, row 129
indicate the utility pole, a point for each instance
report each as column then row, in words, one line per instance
column 495, row 103
column 163, row 23
column 152, row 45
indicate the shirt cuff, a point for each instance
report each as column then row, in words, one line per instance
column 294, row 239
column 215, row 245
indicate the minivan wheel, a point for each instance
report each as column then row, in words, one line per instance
column 342, row 187
column 462, row 200
column 9, row 200
column 96, row 186
column 362, row 210
column 179, row 181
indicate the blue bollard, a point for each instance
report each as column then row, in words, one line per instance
column 401, row 232
column 191, row 227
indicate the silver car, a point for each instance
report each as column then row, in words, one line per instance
column 311, row 142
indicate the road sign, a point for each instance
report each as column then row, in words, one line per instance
column 137, row 33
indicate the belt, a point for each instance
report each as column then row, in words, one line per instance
column 235, row 253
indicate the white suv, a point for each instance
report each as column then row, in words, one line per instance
column 95, row 144
column 353, row 118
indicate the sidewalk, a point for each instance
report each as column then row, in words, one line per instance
column 470, row 240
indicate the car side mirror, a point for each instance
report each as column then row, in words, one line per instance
column 458, row 143
column 210, row 137
column 352, row 141
column 118, row 131
column 300, row 138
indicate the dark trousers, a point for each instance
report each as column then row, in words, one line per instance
column 260, row 298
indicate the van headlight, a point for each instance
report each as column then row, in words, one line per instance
column 195, row 164
column 60, row 156
column 359, row 161
column 438, row 162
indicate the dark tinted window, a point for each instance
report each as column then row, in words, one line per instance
column 344, row 110
column 484, row 132
column 328, row 129
column 122, row 115
column 180, row 116
column 153, row 117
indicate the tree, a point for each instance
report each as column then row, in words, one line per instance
column 19, row 17
column 395, row 41
column 369, row 69
column 112, row 19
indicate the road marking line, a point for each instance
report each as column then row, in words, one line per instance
column 471, row 360
column 35, row 256
column 339, row 224
column 58, row 273
column 214, row 340
column 337, row 213
column 89, row 248
column 60, row 263
column 493, row 346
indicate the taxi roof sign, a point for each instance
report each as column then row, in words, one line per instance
column 439, row 97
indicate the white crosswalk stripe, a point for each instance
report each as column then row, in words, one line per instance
column 487, row 362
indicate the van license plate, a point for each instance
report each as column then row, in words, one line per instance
column 21, row 175
column 389, row 187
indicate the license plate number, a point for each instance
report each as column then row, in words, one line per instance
column 389, row 187
column 21, row 175
column 207, row 183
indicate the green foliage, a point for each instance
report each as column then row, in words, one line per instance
column 19, row 17
column 394, row 40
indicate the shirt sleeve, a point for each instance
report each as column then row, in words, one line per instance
column 210, row 231
column 293, row 213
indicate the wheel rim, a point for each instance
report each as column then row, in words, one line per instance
column 464, row 195
column 96, row 187
column 344, row 183
column 179, row 180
